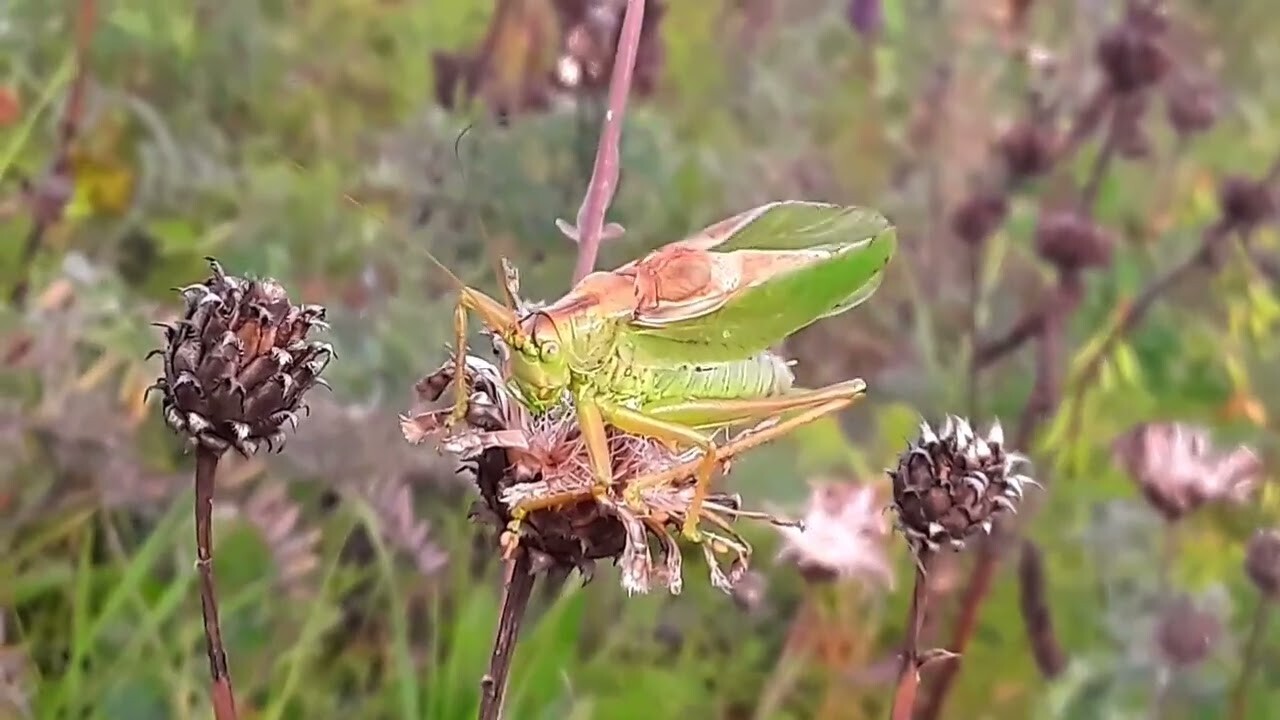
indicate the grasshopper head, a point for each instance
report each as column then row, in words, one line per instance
column 539, row 360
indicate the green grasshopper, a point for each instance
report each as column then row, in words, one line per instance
column 675, row 346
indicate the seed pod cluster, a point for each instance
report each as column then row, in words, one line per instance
column 238, row 363
column 952, row 483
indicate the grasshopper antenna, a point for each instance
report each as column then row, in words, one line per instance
column 497, row 265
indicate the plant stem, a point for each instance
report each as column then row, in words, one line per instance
column 604, row 173
column 1252, row 654
column 50, row 193
column 904, row 696
column 517, row 588
column 224, row 703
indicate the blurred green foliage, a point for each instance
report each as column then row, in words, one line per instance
column 303, row 141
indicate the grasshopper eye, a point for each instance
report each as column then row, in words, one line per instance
column 550, row 349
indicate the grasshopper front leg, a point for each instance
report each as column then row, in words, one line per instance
column 496, row 318
column 591, row 426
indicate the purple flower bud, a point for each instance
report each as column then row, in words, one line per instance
column 866, row 17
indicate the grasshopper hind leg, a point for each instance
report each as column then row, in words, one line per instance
column 683, row 417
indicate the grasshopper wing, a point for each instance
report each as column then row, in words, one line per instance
column 748, row 282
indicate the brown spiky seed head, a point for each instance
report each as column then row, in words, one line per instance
column 1246, row 203
column 1262, row 562
column 1028, row 149
column 238, row 363
column 952, row 482
column 1072, row 241
column 978, row 217
column 1185, row 633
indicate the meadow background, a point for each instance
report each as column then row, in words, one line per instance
column 291, row 138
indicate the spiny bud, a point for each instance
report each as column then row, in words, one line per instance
column 238, row 363
column 979, row 216
column 1028, row 150
column 952, row 483
column 1185, row 634
column 1071, row 240
column 1262, row 562
column 1246, row 203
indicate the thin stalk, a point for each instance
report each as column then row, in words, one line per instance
column 1252, row 657
column 224, row 702
column 604, row 173
column 904, row 696
column 517, row 588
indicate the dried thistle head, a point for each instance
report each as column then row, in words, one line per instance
column 951, row 483
column 238, row 363
column 1185, row 633
column 1191, row 106
column 1246, row 203
column 1262, row 563
column 1072, row 241
column 979, row 216
column 842, row 535
column 1132, row 53
column 1028, row 149
column 518, row 456
column 1178, row 469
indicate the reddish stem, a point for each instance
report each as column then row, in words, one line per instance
column 224, row 703
column 604, row 172
column 904, row 696
column 517, row 588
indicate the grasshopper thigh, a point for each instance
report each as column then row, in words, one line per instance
column 714, row 413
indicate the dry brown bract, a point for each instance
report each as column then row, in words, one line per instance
column 1178, row 469
column 951, row 483
column 238, row 363
column 520, row 457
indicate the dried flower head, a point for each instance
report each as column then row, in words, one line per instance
column 979, row 216
column 1028, row 149
column 1132, row 54
column 1246, row 203
column 1262, row 562
column 590, row 41
column 951, row 483
column 1072, row 241
column 1185, row 633
column 1191, row 106
column 842, row 535
column 238, row 363
column 391, row 500
column 519, row 457
column 1178, row 469
column 294, row 545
